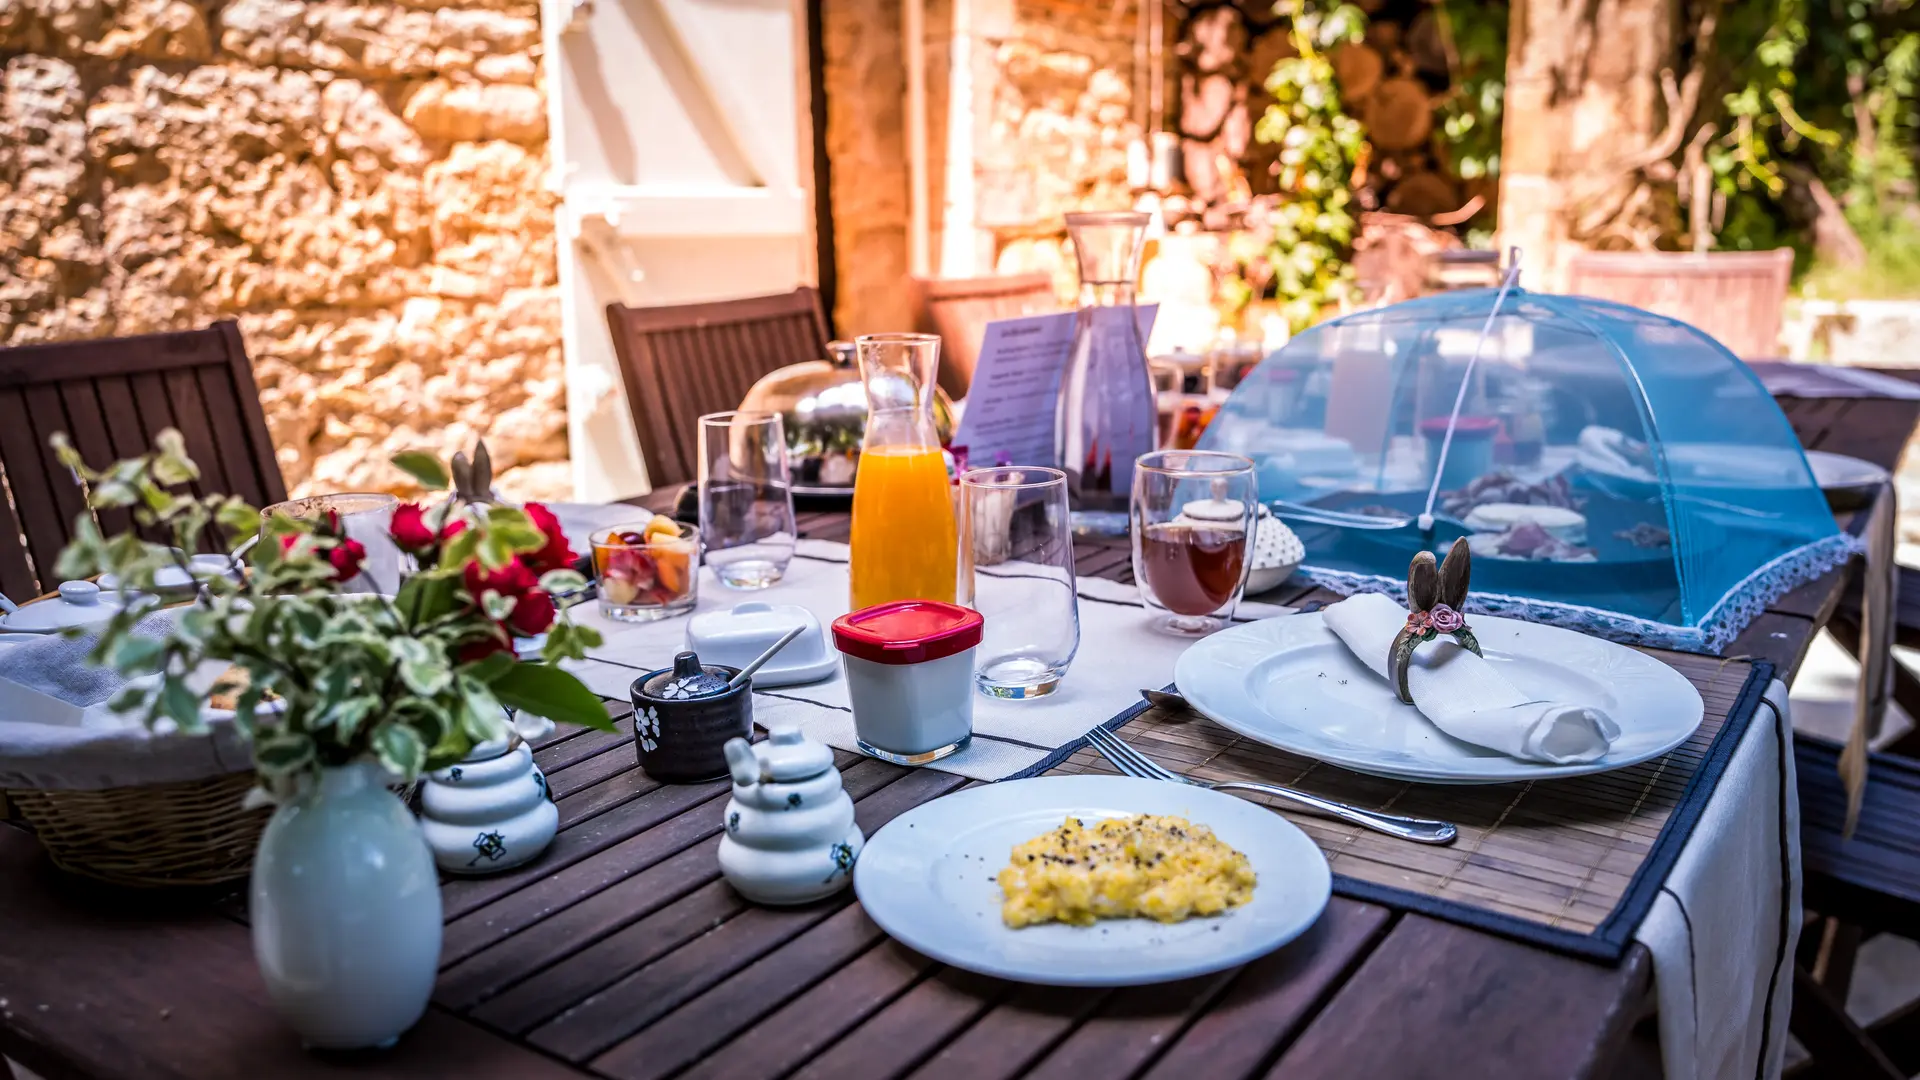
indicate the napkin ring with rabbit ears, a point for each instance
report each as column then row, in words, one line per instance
column 1436, row 605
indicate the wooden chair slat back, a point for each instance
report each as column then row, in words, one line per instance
column 1739, row 297
column 959, row 309
column 681, row 361
column 111, row 397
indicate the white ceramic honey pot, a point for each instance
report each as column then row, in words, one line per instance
column 489, row 813
column 790, row 833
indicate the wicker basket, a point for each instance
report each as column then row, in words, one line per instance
column 155, row 835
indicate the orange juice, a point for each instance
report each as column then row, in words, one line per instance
column 904, row 541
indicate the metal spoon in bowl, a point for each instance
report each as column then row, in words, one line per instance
column 760, row 661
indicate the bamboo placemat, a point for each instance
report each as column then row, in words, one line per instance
column 1571, row 864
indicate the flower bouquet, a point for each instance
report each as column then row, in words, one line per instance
column 341, row 695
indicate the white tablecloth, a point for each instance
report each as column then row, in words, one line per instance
column 1722, row 950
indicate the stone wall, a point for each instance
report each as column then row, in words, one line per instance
column 1060, row 114
column 1052, row 101
column 358, row 182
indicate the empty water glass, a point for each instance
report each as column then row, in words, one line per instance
column 746, row 498
column 364, row 516
column 1016, row 569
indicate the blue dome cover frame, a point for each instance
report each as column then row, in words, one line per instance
column 1616, row 472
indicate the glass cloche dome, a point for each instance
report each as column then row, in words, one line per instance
column 1613, row 470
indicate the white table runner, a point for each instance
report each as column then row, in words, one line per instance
column 1120, row 654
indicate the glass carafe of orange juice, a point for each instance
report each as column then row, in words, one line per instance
column 904, row 541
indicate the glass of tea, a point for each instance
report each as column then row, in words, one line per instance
column 1193, row 521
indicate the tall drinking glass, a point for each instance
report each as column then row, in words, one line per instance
column 366, row 516
column 1193, row 521
column 746, row 498
column 1016, row 569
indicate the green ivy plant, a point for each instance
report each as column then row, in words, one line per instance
column 1320, row 147
column 1470, row 118
column 413, row 681
column 1815, row 90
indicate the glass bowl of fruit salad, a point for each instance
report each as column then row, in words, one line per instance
column 646, row 571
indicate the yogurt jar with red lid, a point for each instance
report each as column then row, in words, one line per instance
column 910, row 677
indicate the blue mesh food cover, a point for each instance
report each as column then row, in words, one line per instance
column 1613, row 470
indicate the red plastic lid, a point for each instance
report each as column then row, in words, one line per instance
column 907, row 631
column 1469, row 426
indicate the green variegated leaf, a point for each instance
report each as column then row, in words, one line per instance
column 170, row 462
column 283, row 753
column 461, row 550
column 496, row 606
column 562, row 581
column 423, row 467
column 547, row 691
column 346, row 716
column 399, row 748
column 489, row 669
column 424, row 669
column 238, row 519
column 481, row 716
column 137, row 655
column 129, row 700
column 180, row 704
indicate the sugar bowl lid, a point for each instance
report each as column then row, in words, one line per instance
column 787, row 755
column 687, row 679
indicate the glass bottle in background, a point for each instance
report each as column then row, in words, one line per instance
column 1106, row 416
column 904, row 542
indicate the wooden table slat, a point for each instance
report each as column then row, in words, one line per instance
column 1442, row 1001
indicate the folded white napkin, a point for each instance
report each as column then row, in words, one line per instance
column 1466, row 697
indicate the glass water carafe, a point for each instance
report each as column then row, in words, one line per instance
column 904, row 542
column 1106, row 416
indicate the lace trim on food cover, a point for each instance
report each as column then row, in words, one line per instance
column 1741, row 605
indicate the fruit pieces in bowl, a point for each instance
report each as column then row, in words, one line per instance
column 646, row 566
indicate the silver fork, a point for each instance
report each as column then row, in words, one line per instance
column 1134, row 763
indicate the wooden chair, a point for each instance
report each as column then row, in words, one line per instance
column 112, row 397
column 959, row 309
column 1862, row 886
column 1739, row 297
column 681, row 361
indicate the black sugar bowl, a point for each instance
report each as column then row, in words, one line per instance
column 683, row 717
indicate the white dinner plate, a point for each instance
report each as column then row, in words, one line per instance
column 928, row 879
column 1290, row 682
column 1838, row 472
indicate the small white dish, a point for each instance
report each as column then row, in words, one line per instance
column 1289, row 682
column 928, row 879
column 1838, row 472
column 736, row 636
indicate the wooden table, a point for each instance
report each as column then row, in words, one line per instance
column 620, row 954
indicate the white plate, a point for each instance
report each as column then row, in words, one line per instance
column 928, row 879
column 1290, row 682
column 1838, row 472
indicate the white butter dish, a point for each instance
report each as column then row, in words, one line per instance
column 736, row 636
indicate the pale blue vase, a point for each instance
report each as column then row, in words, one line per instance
column 346, row 912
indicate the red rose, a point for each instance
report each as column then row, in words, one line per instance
column 513, row 579
column 409, row 529
column 346, row 557
column 532, row 613
column 557, row 554
column 452, row 529
column 287, row 540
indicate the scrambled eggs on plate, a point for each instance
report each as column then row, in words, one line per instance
column 1160, row 867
